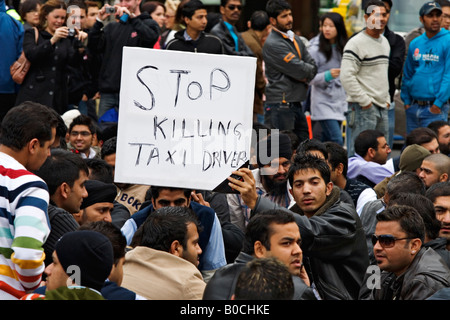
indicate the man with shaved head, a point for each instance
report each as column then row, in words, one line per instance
column 435, row 168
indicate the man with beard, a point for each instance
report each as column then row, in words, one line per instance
column 442, row 130
column 274, row 159
column 439, row 194
column 289, row 67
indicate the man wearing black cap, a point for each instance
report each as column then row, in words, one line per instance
column 98, row 204
column 274, row 159
column 83, row 258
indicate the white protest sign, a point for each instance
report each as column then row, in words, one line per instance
column 185, row 119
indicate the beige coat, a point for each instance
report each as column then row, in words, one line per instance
column 159, row 275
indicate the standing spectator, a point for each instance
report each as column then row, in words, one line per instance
column 46, row 81
column 157, row 12
column 226, row 29
column 91, row 14
column 409, row 271
column 172, row 25
column 193, row 38
column 139, row 30
column 396, row 60
column 364, row 75
column 11, row 38
column 27, row 132
column 328, row 98
column 254, row 37
column 426, row 75
column 29, row 12
column 445, row 6
column 289, row 67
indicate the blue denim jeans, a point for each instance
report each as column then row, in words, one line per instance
column 107, row 101
column 331, row 131
column 287, row 117
column 420, row 116
column 358, row 120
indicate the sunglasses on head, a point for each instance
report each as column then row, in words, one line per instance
column 233, row 7
column 386, row 240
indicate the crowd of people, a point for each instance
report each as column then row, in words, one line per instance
column 322, row 218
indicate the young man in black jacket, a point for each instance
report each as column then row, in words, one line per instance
column 134, row 29
column 333, row 240
column 193, row 38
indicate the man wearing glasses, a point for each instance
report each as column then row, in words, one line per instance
column 226, row 29
column 82, row 132
column 409, row 270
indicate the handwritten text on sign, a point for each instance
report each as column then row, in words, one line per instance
column 185, row 119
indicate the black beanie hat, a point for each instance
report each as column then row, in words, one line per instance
column 98, row 191
column 89, row 250
column 282, row 144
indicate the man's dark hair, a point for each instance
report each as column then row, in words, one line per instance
column 366, row 140
column 61, row 166
column 371, row 3
column 83, row 119
column 164, row 226
column 409, row 219
column 113, row 233
column 336, row 155
column 436, row 125
column 424, row 206
column 440, row 189
column 259, row 20
column 155, row 190
column 223, row 3
column 443, row 3
column 190, row 7
column 264, row 279
column 420, row 136
column 25, row 122
column 109, row 147
column 311, row 145
column 259, row 228
column 306, row 162
column 100, row 170
column 405, row 181
column 275, row 7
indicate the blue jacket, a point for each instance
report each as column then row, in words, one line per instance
column 11, row 37
column 426, row 75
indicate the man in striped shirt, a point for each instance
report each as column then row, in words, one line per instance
column 26, row 134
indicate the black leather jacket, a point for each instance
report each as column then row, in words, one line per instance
column 426, row 275
column 221, row 286
column 334, row 247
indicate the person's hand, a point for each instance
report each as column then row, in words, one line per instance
column 102, row 14
column 335, row 72
column 304, row 276
column 367, row 107
column 60, row 33
column 246, row 186
column 435, row 109
column 120, row 11
column 198, row 197
column 81, row 35
column 407, row 106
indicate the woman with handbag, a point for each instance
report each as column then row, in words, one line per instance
column 49, row 54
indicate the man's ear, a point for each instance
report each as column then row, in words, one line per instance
column 176, row 248
column 339, row 169
column 259, row 249
column 64, row 190
column 273, row 21
column 443, row 177
column 33, row 145
column 78, row 216
column 329, row 188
